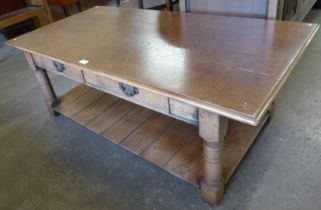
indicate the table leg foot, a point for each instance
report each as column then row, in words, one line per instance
column 51, row 110
column 212, row 193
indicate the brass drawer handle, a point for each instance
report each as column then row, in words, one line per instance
column 129, row 91
column 59, row 66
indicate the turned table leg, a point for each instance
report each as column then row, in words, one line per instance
column 212, row 128
column 45, row 84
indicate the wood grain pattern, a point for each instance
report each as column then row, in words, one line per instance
column 227, row 65
column 147, row 133
column 168, row 143
column 110, row 116
column 80, row 103
column 94, row 109
column 73, row 95
column 188, row 160
column 162, row 150
column 128, row 124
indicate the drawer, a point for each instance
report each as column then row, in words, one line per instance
column 59, row 68
column 136, row 95
column 183, row 111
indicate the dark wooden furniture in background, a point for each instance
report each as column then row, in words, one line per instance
column 188, row 92
column 7, row 6
column 64, row 3
column 294, row 10
column 25, row 13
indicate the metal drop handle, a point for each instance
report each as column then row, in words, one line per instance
column 59, row 66
column 128, row 90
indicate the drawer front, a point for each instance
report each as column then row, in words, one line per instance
column 183, row 111
column 136, row 95
column 59, row 68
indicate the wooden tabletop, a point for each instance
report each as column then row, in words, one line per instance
column 230, row 65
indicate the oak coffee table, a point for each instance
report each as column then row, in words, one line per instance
column 187, row 92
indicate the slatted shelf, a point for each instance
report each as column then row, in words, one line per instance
column 168, row 143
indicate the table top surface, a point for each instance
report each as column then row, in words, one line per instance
column 229, row 65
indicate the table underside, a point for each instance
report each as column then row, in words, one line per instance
column 168, row 143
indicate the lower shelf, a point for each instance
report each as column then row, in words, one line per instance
column 169, row 143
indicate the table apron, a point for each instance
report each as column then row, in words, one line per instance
column 170, row 106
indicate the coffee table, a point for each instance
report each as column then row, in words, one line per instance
column 188, row 92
